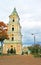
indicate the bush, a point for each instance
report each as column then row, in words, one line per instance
column 14, row 51
column 22, row 53
column 26, row 52
column 8, row 51
column 37, row 55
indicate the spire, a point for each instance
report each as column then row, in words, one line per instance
column 14, row 12
column 15, row 9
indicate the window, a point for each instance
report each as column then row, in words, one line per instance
column 11, row 45
column 12, row 38
column 13, row 20
column 12, row 28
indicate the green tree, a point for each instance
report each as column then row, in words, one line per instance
column 26, row 52
column 14, row 51
column 8, row 51
column 34, row 48
column 22, row 53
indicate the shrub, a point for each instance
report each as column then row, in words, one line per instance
column 14, row 51
column 8, row 51
column 22, row 53
column 26, row 52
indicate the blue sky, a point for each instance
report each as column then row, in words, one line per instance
column 30, row 17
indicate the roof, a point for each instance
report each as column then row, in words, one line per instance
column 14, row 12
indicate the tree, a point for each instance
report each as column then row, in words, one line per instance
column 35, row 48
column 22, row 52
column 14, row 51
column 3, row 32
column 26, row 52
column 8, row 51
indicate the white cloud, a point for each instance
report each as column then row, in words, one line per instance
column 30, row 25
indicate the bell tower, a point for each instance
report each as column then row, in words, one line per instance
column 14, row 33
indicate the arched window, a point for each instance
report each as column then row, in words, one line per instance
column 12, row 28
column 13, row 20
column 12, row 38
column 11, row 45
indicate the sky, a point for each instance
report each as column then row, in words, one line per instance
column 30, row 18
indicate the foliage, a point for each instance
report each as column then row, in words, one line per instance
column 3, row 31
column 26, row 52
column 8, row 51
column 22, row 53
column 14, row 51
column 35, row 50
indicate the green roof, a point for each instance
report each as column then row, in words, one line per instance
column 14, row 12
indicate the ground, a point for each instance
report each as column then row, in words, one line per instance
column 19, row 60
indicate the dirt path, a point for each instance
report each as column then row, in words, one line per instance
column 19, row 60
